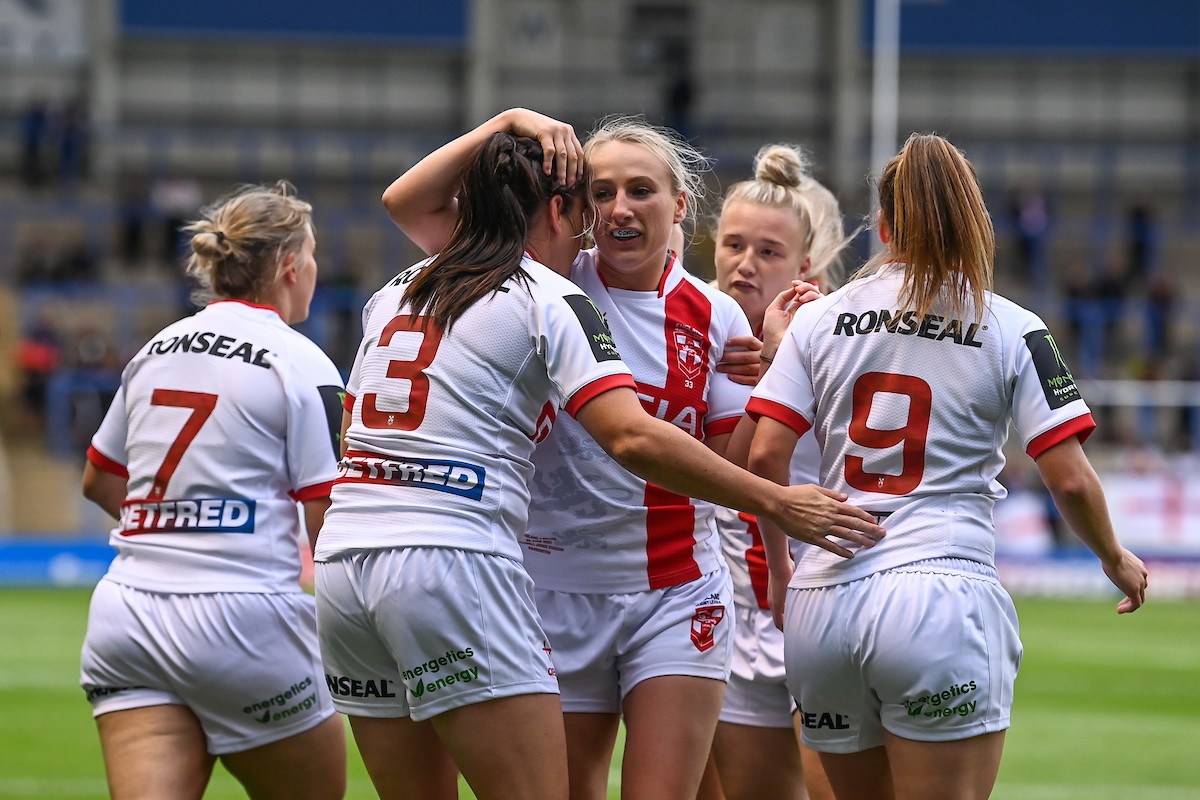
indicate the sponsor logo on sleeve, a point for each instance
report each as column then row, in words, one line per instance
column 595, row 326
column 1058, row 384
column 332, row 397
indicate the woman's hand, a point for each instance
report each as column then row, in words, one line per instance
column 740, row 359
column 781, row 310
column 561, row 149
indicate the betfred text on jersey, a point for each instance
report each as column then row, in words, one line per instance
column 202, row 515
column 214, row 344
column 930, row 326
column 455, row 477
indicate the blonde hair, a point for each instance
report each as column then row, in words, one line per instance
column 239, row 241
column 782, row 179
column 940, row 227
column 683, row 161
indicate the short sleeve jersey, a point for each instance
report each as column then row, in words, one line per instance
column 911, row 414
column 595, row 527
column 444, row 423
column 222, row 423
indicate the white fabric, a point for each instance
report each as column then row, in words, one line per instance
column 596, row 528
column 264, row 398
column 911, row 415
column 439, row 453
column 418, row 631
column 606, row 644
column 928, row 651
column 246, row 663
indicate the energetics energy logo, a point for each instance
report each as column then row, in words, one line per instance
column 201, row 515
column 949, row 702
column 285, row 704
column 438, row 674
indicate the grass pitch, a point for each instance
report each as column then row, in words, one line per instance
column 1107, row 707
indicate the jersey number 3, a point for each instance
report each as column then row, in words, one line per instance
column 911, row 435
column 412, row 370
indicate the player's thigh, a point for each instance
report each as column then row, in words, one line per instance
column 154, row 753
column 590, row 742
column 511, row 748
column 670, row 721
column 756, row 762
column 405, row 758
column 964, row 769
column 308, row 766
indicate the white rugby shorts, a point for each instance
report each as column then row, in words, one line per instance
column 605, row 644
column 246, row 664
column 928, row 651
column 417, row 631
column 757, row 694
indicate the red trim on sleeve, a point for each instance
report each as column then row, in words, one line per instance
column 103, row 462
column 761, row 407
column 315, row 492
column 1081, row 426
column 348, row 403
column 721, row 426
column 596, row 388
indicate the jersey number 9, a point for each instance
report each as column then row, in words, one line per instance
column 911, row 435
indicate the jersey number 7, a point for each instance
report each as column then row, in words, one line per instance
column 202, row 405
column 412, row 370
column 912, row 434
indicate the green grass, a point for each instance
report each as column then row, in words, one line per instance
column 1107, row 707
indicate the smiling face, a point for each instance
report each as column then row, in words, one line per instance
column 637, row 206
column 760, row 251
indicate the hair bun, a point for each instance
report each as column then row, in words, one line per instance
column 781, row 164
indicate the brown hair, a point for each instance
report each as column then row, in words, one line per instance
column 240, row 240
column 501, row 189
column 941, row 230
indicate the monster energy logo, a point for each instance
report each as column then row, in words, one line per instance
column 1058, row 384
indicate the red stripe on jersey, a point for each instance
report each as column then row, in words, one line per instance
column 348, row 403
column 670, row 538
column 596, row 388
column 103, row 462
column 671, row 518
column 1082, row 426
column 756, row 561
column 762, row 407
column 315, row 492
column 722, row 426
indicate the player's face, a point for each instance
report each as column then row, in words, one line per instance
column 759, row 252
column 306, row 277
column 631, row 191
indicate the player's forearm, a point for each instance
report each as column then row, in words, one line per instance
column 1085, row 511
column 670, row 458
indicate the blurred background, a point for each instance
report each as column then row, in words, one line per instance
column 120, row 118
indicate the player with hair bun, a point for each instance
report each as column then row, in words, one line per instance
column 903, row 659
column 200, row 643
column 777, row 234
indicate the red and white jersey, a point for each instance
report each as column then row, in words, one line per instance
column 443, row 423
column 741, row 539
column 911, row 414
column 222, row 423
column 595, row 527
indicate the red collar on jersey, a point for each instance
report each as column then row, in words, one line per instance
column 246, row 303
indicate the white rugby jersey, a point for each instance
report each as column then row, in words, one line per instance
column 443, row 424
column 223, row 422
column 595, row 527
column 741, row 539
column 911, row 414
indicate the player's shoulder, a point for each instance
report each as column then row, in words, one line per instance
column 1011, row 317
